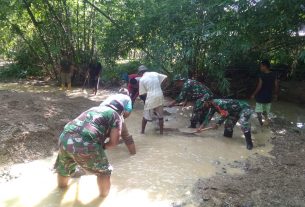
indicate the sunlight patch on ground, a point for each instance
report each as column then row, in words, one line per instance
column 18, row 87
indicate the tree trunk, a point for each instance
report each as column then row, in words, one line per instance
column 66, row 34
column 41, row 36
column 77, row 26
column 123, row 32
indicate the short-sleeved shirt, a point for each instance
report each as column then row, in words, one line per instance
column 65, row 66
column 89, row 130
column 150, row 84
column 131, row 86
column 193, row 90
column 124, row 99
column 264, row 95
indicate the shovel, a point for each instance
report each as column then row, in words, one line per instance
column 204, row 129
column 195, row 132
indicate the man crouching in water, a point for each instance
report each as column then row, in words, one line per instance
column 230, row 111
column 82, row 143
column 124, row 98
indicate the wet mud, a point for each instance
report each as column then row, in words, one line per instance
column 176, row 169
column 267, row 181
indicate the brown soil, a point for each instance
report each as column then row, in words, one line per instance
column 31, row 123
column 267, row 181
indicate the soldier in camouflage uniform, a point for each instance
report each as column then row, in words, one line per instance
column 82, row 143
column 192, row 90
column 230, row 111
column 124, row 98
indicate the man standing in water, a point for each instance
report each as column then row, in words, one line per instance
column 124, row 98
column 192, row 90
column 263, row 94
column 150, row 84
column 83, row 143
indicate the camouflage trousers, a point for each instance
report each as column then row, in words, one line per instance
column 94, row 162
column 197, row 115
column 244, row 120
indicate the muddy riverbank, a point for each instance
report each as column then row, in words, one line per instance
column 33, row 115
column 267, row 181
column 165, row 169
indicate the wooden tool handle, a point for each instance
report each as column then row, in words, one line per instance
column 205, row 129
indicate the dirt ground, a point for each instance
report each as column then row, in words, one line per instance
column 267, row 181
column 31, row 123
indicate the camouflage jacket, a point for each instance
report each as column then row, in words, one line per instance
column 89, row 130
column 226, row 108
column 192, row 90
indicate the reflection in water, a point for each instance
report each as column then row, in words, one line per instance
column 289, row 111
column 162, row 172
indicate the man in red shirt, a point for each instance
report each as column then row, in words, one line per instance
column 133, row 86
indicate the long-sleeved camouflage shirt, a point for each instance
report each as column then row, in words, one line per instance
column 90, row 129
column 225, row 107
column 193, row 90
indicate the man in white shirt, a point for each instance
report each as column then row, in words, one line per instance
column 150, row 84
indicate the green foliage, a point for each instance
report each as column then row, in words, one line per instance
column 11, row 72
column 115, row 73
column 15, row 71
column 176, row 36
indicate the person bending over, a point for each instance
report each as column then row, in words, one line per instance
column 230, row 111
column 82, row 143
column 192, row 90
column 123, row 97
column 150, row 85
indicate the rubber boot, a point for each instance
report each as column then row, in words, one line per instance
column 69, row 86
column 193, row 125
column 248, row 140
column 227, row 133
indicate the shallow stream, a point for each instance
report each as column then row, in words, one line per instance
column 162, row 173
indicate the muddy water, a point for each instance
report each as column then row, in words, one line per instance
column 294, row 113
column 161, row 173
